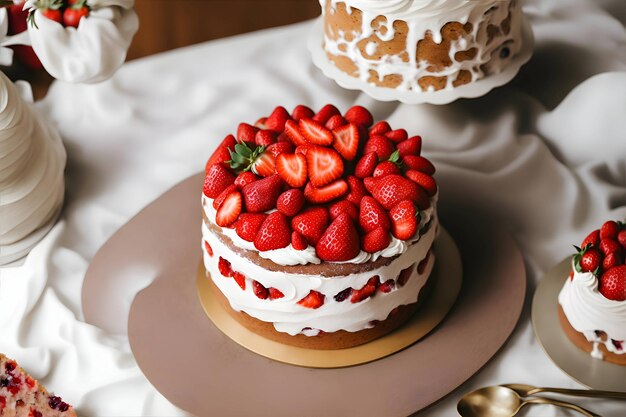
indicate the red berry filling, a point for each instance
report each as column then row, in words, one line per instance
column 208, row 248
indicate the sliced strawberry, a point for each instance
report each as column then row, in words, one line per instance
column 419, row 163
column 311, row 223
column 340, row 241
column 280, row 147
column 315, row 132
column 326, row 193
column 613, row 283
column 367, row 291
column 208, row 248
column 324, row 165
column 425, row 181
column 259, row 290
column 265, row 137
column 387, row 286
column 264, row 165
column 248, row 225
column 335, row 122
column 366, row 165
column 313, row 300
column 224, row 267
column 357, row 190
column 344, row 206
column 380, row 128
column 411, row 146
column 221, row 154
column 220, row 198
column 303, row 149
column 246, row 133
column 274, row 233
column 609, row 246
column 326, row 113
column 379, row 144
column 359, row 115
column 343, row 295
column 397, row 135
column 229, row 210
column 292, row 168
column 240, row 279
column 261, row 123
column 346, row 141
column 392, row 189
column 276, row 120
column 282, row 137
column 244, row 179
column 275, row 294
column 404, row 276
column 386, row 168
column 261, row 195
column 302, row 112
column 290, row 202
column 292, row 129
column 421, row 267
column 217, row 179
column 376, row 240
column 298, row 241
column 592, row 239
column 609, row 229
column 372, row 215
column 404, row 220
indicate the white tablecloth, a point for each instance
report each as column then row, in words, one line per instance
column 545, row 154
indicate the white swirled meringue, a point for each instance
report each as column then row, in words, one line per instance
column 589, row 311
column 91, row 53
column 32, row 161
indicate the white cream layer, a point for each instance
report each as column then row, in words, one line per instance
column 291, row 318
column 588, row 310
column 424, row 16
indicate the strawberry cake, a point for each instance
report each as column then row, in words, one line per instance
column 592, row 302
column 318, row 227
column 421, row 45
column 22, row 396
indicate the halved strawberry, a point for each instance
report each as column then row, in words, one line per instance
column 290, row 202
column 311, row 223
column 259, row 290
column 357, row 190
column 248, row 225
column 244, row 179
column 380, row 128
column 313, row 300
column 372, row 215
column 315, row 132
column 217, row 179
column 246, row 133
column 303, row 149
column 346, row 141
column 324, row 165
column 264, row 165
column 265, row 137
column 302, row 112
column 411, row 146
column 344, row 206
column 261, row 195
column 240, row 279
column 224, row 267
column 392, row 189
column 359, row 115
column 276, row 120
column 335, row 122
column 220, row 198
column 340, row 242
column 221, row 154
column 387, row 286
column 425, row 181
column 379, row 144
column 298, row 242
column 275, row 294
column 366, row 165
column 280, row 147
column 367, row 291
column 326, row 193
column 274, row 233
column 229, row 210
column 326, row 113
column 292, row 168
column 208, row 248
column 376, row 240
column 292, row 129
column 397, row 135
column 404, row 220
column 419, row 163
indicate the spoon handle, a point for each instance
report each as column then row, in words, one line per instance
column 542, row 400
column 581, row 392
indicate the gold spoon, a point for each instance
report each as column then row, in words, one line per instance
column 501, row 401
column 526, row 390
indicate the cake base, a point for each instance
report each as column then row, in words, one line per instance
column 581, row 341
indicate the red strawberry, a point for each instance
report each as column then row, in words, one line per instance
column 313, row 300
column 404, row 276
column 611, row 260
column 220, row 198
column 379, row 144
column 342, row 295
column 265, row 137
column 360, row 116
column 240, row 279
column 613, row 283
column 344, row 206
column 246, row 133
column 386, row 168
column 276, row 120
column 217, row 179
column 411, row 146
column 421, row 267
column 292, row 129
column 311, row 223
column 261, row 123
column 326, row 193
column 292, row 168
column 324, row 165
column 280, row 147
column 274, row 233
column 380, row 128
column 425, row 181
column 244, row 179
column 221, row 154
column 264, row 165
column 357, row 190
column 609, row 229
column 303, row 149
column 326, row 113
column 298, row 241
column 369, row 183
column 387, row 286
column 208, row 248
column 259, row 290
column 224, row 267
column 302, row 112
column 290, row 202
column 340, row 241
column 404, row 220
column 392, row 189
column 335, row 122
column 248, row 225
column 609, row 246
column 261, row 195
column 593, row 239
column 397, row 135
column 366, row 165
column 621, row 238
column 376, row 240
column 229, row 210
column 367, row 291
column 372, row 215
column 71, row 15
column 315, row 132
column 275, row 294
column 346, row 141
column 419, row 163
column 590, row 260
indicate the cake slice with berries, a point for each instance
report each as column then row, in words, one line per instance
column 21, row 395
column 319, row 226
column 592, row 302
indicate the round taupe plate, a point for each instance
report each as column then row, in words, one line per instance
column 447, row 279
column 593, row 373
column 198, row 368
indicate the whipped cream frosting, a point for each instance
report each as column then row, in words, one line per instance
column 289, row 317
column 32, row 161
column 588, row 310
column 422, row 17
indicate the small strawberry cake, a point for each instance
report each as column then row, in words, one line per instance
column 22, row 396
column 318, row 227
column 593, row 300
